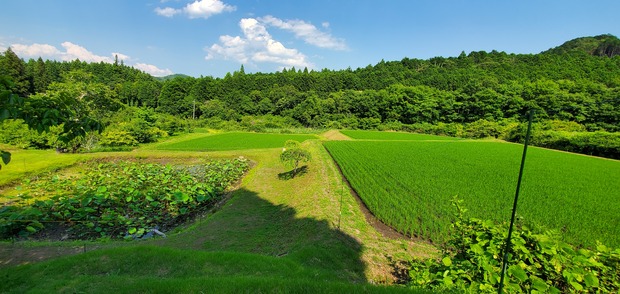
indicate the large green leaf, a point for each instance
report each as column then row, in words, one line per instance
column 518, row 273
column 6, row 157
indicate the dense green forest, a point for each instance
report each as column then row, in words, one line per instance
column 574, row 87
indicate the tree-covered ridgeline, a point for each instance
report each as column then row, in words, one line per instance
column 577, row 82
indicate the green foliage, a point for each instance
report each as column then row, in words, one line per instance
column 293, row 154
column 538, row 261
column 119, row 199
column 16, row 133
column 74, row 105
column 170, row 124
column 117, row 139
column 569, row 137
column 482, row 129
column 10, row 103
column 142, row 124
column 408, row 185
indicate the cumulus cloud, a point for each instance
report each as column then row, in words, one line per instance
column 152, row 70
column 197, row 9
column 256, row 45
column 167, row 11
column 35, row 50
column 307, row 32
column 73, row 51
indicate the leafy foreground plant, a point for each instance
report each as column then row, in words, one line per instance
column 539, row 262
column 120, row 199
column 292, row 155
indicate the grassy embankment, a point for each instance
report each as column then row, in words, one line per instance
column 272, row 235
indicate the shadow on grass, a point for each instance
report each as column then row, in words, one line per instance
column 249, row 238
column 292, row 173
column 250, row 224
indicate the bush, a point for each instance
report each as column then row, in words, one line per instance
column 369, row 123
column 482, row 129
column 117, row 139
column 538, row 262
column 15, row 132
column 171, row 124
column 451, row 129
column 599, row 143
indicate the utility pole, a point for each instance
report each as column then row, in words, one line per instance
column 514, row 205
column 194, row 111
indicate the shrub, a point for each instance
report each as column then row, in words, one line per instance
column 482, row 129
column 117, row 139
column 16, row 132
column 170, row 124
column 538, row 262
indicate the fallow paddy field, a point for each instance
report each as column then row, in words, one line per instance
column 309, row 234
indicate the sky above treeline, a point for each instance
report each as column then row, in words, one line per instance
column 214, row 37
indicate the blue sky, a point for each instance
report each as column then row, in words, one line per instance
column 213, row 37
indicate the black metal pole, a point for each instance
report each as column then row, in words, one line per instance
column 514, row 205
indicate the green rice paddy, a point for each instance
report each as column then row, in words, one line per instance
column 234, row 141
column 408, row 185
column 378, row 135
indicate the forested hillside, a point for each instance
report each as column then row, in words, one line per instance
column 577, row 82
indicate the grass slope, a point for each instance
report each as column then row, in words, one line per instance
column 409, row 185
column 272, row 236
column 234, row 141
column 164, row 270
column 27, row 162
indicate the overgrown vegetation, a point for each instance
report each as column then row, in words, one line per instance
column 538, row 261
column 121, row 199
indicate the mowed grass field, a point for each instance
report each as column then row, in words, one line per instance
column 393, row 136
column 409, row 185
column 234, row 141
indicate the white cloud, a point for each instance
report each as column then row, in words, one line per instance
column 73, row 51
column 207, row 8
column 35, row 50
column 307, row 32
column 152, row 70
column 256, row 45
column 197, row 9
column 325, row 24
column 167, row 11
column 230, row 48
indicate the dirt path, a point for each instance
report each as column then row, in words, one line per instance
column 335, row 135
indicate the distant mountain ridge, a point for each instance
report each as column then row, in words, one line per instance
column 170, row 77
column 601, row 45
